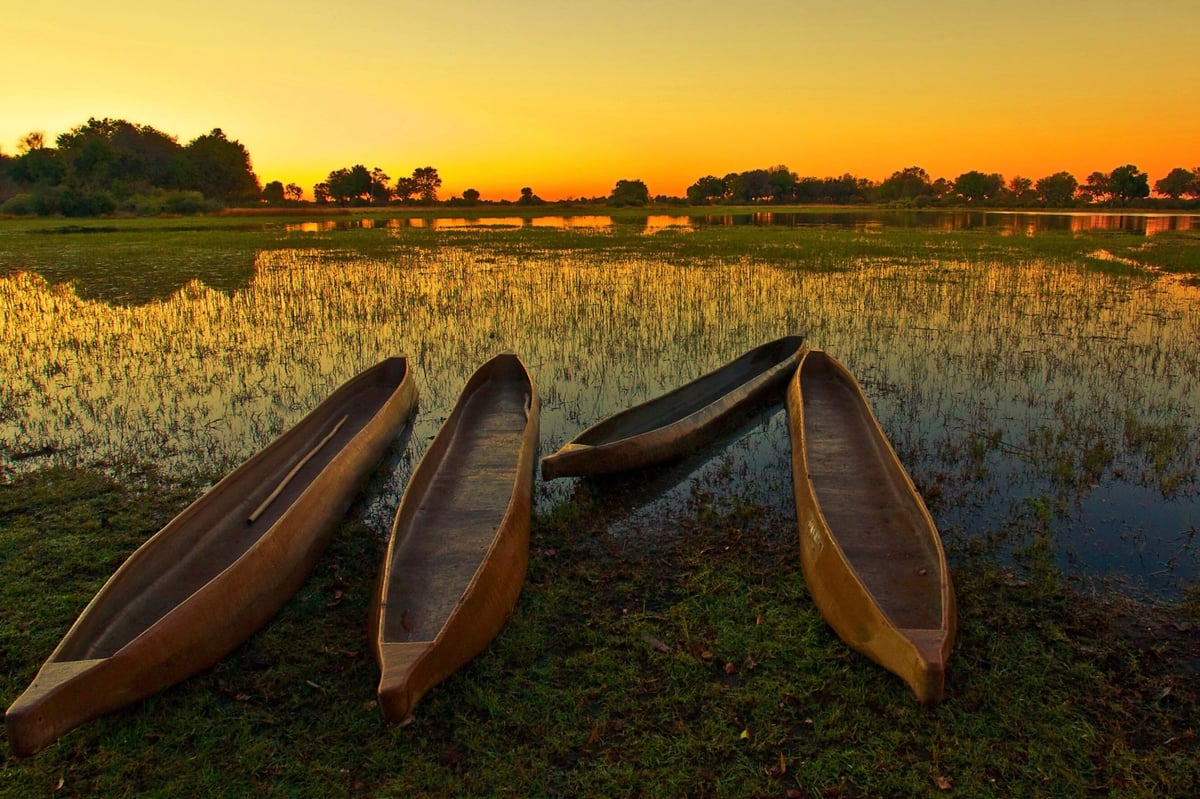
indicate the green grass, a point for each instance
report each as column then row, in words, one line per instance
column 682, row 659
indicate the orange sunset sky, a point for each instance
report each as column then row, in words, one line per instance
column 567, row 98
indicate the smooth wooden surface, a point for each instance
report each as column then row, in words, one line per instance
column 460, row 543
column 872, row 557
column 209, row 579
column 679, row 422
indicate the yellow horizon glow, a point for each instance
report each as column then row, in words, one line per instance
column 568, row 102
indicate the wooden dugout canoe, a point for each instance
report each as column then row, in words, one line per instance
column 680, row 421
column 220, row 569
column 459, row 549
column 872, row 557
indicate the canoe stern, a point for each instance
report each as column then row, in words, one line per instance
column 51, row 705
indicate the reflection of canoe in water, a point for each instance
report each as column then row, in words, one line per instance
column 460, row 544
column 220, row 569
column 680, row 421
column 872, row 557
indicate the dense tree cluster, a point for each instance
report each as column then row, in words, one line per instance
column 356, row 186
column 110, row 164
column 913, row 186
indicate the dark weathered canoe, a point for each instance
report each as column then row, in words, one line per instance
column 460, row 544
column 220, row 569
column 680, row 421
column 871, row 554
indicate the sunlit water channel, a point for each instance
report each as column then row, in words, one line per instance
column 1012, row 391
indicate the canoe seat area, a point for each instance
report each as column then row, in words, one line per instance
column 218, row 532
column 442, row 545
column 870, row 512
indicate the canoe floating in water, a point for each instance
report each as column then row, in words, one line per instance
column 220, row 569
column 871, row 554
column 679, row 422
column 460, row 543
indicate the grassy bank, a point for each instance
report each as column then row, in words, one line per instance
column 684, row 658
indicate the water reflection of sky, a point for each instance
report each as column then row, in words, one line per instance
column 999, row 384
column 1011, row 222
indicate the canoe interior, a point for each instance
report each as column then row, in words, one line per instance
column 439, row 546
column 210, row 535
column 693, row 396
column 868, row 507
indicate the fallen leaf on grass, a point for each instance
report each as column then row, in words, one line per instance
column 655, row 643
column 943, row 783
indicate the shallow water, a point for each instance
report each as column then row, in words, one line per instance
column 1005, row 387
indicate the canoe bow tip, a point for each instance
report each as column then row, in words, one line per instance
column 27, row 729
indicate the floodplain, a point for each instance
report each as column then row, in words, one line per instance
column 1039, row 376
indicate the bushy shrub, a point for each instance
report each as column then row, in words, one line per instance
column 158, row 202
column 19, row 205
column 64, row 200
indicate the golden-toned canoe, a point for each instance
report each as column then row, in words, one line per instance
column 871, row 554
column 460, row 543
column 680, row 421
column 220, row 569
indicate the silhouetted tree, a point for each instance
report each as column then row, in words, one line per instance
column 34, row 140
column 907, row 184
column 351, row 185
column 1127, row 183
column 1098, row 186
column 273, row 192
column 706, row 190
column 629, row 192
column 1020, row 190
column 426, row 183
column 1057, row 189
column 975, row 186
column 380, row 191
column 782, row 182
column 529, row 198
column 321, row 193
column 1178, row 182
column 404, row 189
column 219, row 167
column 470, row 196
column 293, row 192
column 756, row 184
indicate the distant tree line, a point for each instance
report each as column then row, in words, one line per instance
column 1124, row 186
column 108, row 165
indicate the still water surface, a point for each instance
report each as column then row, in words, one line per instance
column 1009, row 222
column 1012, row 391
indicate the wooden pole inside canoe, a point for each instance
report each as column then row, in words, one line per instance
column 261, row 509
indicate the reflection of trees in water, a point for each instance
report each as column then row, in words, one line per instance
column 992, row 379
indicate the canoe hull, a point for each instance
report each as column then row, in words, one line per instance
column 679, row 422
column 456, row 560
column 871, row 554
column 82, row 679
